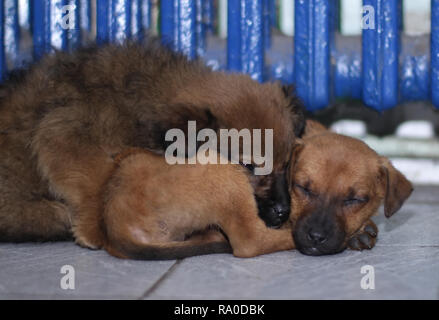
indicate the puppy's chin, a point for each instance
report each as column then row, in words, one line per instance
column 316, row 251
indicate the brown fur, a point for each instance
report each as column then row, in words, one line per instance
column 144, row 221
column 332, row 169
column 71, row 113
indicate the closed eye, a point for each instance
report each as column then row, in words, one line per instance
column 355, row 201
column 306, row 191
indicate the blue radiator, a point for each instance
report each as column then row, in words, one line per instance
column 382, row 67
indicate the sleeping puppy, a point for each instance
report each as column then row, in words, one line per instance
column 338, row 184
column 63, row 120
column 156, row 211
column 153, row 210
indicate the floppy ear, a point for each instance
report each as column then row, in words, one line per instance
column 397, row 188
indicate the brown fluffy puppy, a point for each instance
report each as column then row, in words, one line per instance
column 152, row 210
column 62, row 122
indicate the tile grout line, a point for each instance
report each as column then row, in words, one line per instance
column 408, row 245
column 415, row 202
column 160, row 280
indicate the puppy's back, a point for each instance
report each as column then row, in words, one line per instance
column 149, row 202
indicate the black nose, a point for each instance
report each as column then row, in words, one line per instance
column 317, row 236
column 282, row 211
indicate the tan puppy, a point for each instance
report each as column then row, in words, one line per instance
column 338, row 185
column 153, row 210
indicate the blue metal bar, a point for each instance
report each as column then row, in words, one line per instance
column 187, row 35
column 85, row 15
column 267, row 20
column 24, row 13
column 167, row 23
column 140, row 18
column 390, row 71
column 253, row 39
column 347, row 73
column 273, row 13
column 380, row 56
column 435, row 52
column 414, row 78
column 246, row 47
column 120, row 20
column 234, row 61
column 102, row 21
column 146, row 14
column 2, row 44
column 178, row 26
column 48, row 29
column 208, row 14
column 136, row 19
column 74, row 31
column 201, row 26
column 312, row 52
column 41, row 27
column 31, row 16
column 58, row 33
column 11, row 31
column 334, row 26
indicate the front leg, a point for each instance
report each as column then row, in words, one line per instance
column 365, row 238
column 268, row 241
column 250, row 237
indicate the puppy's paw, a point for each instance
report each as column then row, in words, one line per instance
column 365, row 238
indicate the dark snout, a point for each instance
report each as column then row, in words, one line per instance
column 319, row 233
column 274, row 208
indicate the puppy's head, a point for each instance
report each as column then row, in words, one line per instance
column 338, row 184
column 277, row 114
column 269, row 113
column 277, row 108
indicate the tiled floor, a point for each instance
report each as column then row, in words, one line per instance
column 405, row 261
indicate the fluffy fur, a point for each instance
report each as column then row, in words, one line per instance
column 152, row 210
column 63, row 120
column 338, row 185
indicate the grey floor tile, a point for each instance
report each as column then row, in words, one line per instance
column 405, row 260
column 413, row 225
column 33, row 271
column 425, row 194
column 400, row 273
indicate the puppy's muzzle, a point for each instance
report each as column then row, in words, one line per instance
column 274, row 214
column 274, row 208
column 319, row 233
